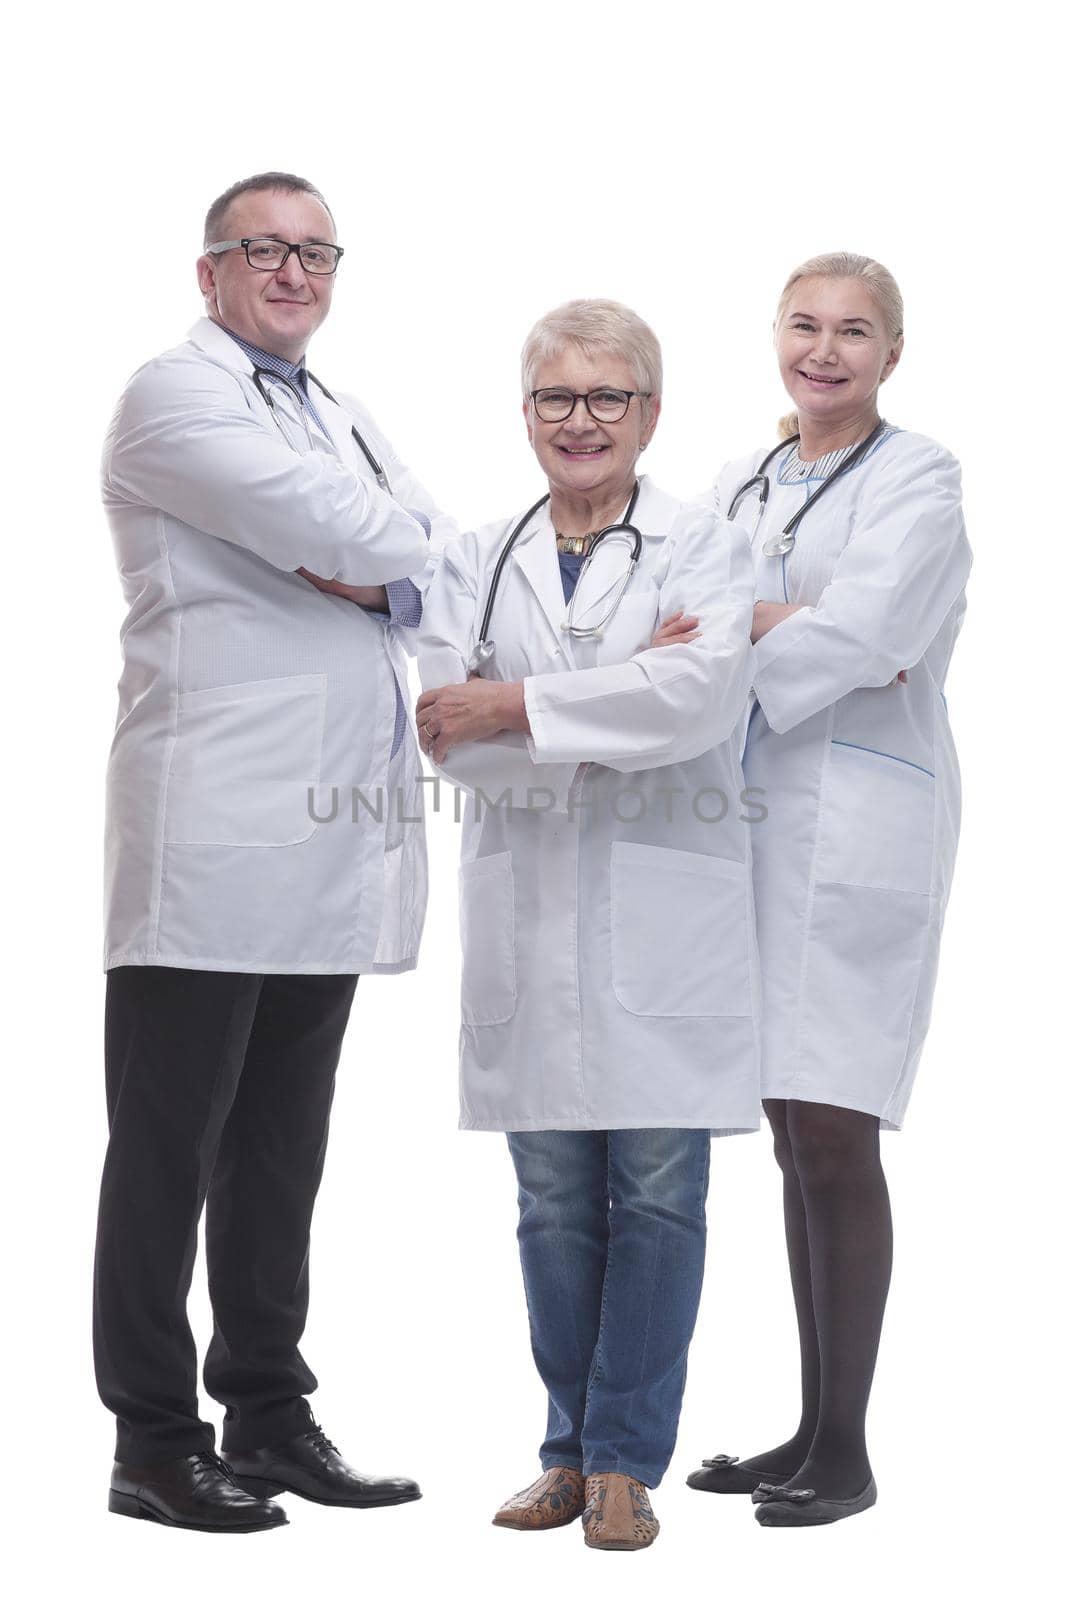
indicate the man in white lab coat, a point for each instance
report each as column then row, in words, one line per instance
column 272, row 551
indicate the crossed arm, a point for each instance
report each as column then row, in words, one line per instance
column 460, row 712
column 371, row 596
column 767, row 614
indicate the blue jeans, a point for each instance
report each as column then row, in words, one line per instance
column 611, row 1239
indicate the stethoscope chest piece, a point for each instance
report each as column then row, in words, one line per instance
column 484, row 648
column 596, row 630
column 779, row 544
column 626, row 530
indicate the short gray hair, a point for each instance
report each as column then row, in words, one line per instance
column 593, row 326
column 263, row 182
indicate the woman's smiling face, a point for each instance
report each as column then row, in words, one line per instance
column 834, row 349
column 582, row 455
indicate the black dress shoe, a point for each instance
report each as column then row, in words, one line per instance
column 193, row 1492
column 803, row 1508
column 312, row 1467
column 723, row 1475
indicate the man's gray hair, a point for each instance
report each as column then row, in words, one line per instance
column 595, row 326
column 288, row 182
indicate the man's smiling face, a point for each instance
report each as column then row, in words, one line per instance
column 278, row 311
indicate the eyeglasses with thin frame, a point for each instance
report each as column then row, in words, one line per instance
column 603, row 405
column 267, row 254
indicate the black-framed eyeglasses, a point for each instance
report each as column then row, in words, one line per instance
column 604, row 405
column 267, row 254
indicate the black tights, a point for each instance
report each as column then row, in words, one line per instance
column 839, row 1236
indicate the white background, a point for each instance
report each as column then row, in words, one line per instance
column 485, row 162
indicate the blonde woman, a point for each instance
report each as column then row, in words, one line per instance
column 861, row 560
column 608, row 963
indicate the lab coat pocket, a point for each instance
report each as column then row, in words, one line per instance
column 245, row 756
column 487, row 936
column 679, row 933
column 876, row 826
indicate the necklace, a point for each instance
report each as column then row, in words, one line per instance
column 577, row 544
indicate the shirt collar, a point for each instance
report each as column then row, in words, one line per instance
column 295, row 372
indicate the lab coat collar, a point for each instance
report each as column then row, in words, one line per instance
column 221, row 346
column 535, row 557
column 216, row 343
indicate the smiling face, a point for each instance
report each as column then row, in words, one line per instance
column 278, row 311
column 581, row 456
column 834, row 350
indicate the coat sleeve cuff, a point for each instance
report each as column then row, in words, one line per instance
column 535, row 717
column 405, row 603
column 777, row 640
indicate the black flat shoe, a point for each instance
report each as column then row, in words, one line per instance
column 722, row 1475
column 196, row 1492
column 802, row 1508
column 312, row 1466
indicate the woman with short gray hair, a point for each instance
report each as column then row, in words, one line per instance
column 585, row 667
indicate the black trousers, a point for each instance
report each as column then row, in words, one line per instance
column 219, row 1087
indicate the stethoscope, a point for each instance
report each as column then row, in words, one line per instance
column 483, row 651
column 780, row 544
column 260, row 374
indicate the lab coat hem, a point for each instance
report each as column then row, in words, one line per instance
column 787, row 1090
column 138, row 958
column 571, row 1125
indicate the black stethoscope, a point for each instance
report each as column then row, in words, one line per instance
column 259, row 374
column 483, row 651
column 780, row 544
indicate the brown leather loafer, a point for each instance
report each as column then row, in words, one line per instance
column 558, row 1497
column 195, row 1492
column 618, row 1514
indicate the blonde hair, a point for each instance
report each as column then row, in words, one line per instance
column 595, row 325
column 880, row 282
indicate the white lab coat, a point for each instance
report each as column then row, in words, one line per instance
column 243, row 687
column 609, row 963
column 853, row 864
